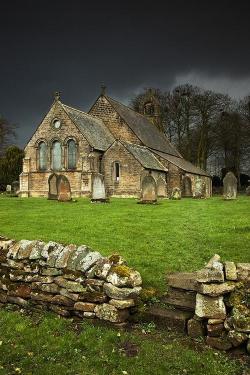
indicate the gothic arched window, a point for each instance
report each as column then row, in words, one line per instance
column 71, row 154
column 56, row 156
column 117, row 171
column 42, row 156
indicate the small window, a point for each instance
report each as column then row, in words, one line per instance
column 71, row 154
column 42, row 156
column 117, row 171
column 149, row 108
column 56, row 156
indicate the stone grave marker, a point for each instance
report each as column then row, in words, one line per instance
column 161, row 188
column 248, row 191
column 15, row 186
column 187, row 187
column 63, row 187
column 148, row 193
column 8, row 189
column 53, row 193
column 176, row 193
column 230, row 186
column 98, row 189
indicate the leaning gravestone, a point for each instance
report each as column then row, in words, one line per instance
column 176, row 193
column 63, row 187
column 148, row 194
column 230, row 186
column 98, row 189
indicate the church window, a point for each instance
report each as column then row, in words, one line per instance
column 42, row 155
column 117, row 171
column 56, row 123
column 56, row 156
column 71, row 154
column 149, row 108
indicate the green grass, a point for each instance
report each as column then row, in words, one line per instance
column 170, row 236
column 50, row 346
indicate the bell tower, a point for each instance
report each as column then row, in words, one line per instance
column 150, row 107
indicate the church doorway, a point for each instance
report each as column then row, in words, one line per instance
column 187, row 187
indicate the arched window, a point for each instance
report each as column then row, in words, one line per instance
column 149, row 108
column 42, row 156
column 56, row 156
column 117, row 171
column 71, row 154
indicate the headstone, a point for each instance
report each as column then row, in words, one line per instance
column 63, row 187
column 176, row 193
column 53, row 194
column 199, row 189
column 148, row 194
column 230, row 186
column 98, row 189
column 187, row 187
column 161, row 188
column 8, row 189
column 15, row 187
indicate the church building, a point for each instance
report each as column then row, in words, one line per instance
column 124, row 147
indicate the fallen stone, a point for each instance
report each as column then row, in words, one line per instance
column 220, row 343
column 210, row 307
column 237, row 338
column 180, row 298
column 85, row 306
column 215, row 290
column 182, row 280
column 215, row 330
column 230, row 271
column 121, row 293
column 207, row 275
column 195, row 328
column 111, row 313
column 119, row 304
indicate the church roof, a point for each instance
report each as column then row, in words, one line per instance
column 144, row 129
column 96, row 133
column 187, row 166
column 145, row 157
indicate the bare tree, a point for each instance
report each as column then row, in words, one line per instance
column 7, row 133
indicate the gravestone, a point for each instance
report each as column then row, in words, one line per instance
column 98, row 189
column 161, row 188
column 176, row 193
column 148, row 193
column 187, row 187
column 230, row 186
column 8, row 189
column 15, row 186
column 53, row 193
column 198, row 188
column 63, row 188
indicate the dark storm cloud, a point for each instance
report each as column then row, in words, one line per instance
column 74, row 46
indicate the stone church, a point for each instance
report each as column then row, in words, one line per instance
column 126, row 149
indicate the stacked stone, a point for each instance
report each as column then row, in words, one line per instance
column 69, row 280
column 219, row 295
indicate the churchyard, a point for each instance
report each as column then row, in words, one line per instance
column 173, row 235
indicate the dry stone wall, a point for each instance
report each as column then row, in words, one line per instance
column 69, row 280
column 219, row 297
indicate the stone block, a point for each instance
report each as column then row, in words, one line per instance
column 237, row 338
column 17, row 301
column 119, row 304
column 51, row 272
column 76, row 256
column 210, row 307
column 207, row 275
column 63, row 257
column 121, row 293
column 230, row 271
column 243, row 271
column 215, row 330
column 85, row 306
column 64, row 292
column 183, row 280
column 182, row 299
column 111, row 313
column 88, row 261
column 220, row 343
column 122, row 275
column 215, row 290
column 62, row 300
column 72, row 286
column 195, row 328
column 60, row 310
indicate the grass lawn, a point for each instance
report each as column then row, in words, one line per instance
column 155, row 239
column 170, row 236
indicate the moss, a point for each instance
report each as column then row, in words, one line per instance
column 147, row 294
column 115, row 258
column 121, row 270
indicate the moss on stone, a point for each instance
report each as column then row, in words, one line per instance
column 147, row 294
column 121, row 270
column 114, row 258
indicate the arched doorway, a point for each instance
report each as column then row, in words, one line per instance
column 187, row 187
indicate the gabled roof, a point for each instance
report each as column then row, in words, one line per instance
column 187, row 166
column 143, row 128
column 96, row 133
column 145, row 157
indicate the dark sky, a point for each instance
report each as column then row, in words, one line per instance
column 73, row 46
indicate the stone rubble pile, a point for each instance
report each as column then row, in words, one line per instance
column 69, row 280
column 219, row 296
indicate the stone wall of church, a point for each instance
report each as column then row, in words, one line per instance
column 120, row 130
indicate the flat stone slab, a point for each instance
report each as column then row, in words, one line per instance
column 182, row 299
column 167, row 318
column 183, row 280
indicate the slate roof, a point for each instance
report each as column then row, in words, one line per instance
column 145, row 157
column 182, row 163
column 144, row 129
column 96, row 133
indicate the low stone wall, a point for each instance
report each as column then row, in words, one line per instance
column 69, row 280
column 219, row 297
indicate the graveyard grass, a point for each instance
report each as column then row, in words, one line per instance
column 169, row 236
